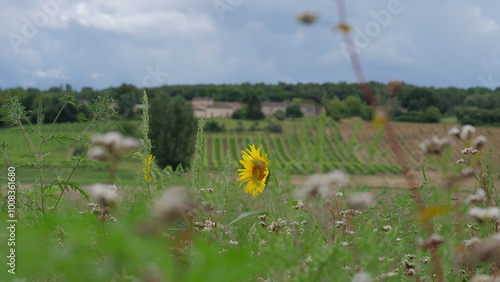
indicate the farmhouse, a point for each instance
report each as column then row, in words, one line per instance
column 206, row 107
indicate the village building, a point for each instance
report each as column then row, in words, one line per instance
column 207, row 107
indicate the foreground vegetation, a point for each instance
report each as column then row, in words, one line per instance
column 173, row 224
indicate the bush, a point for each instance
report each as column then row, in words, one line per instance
column 239, row 114
column 279, row 115
column 294, row 111
column 213, row 126
column 273, row 128
column 173, row 131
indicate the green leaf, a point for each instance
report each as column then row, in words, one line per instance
column 245, row 215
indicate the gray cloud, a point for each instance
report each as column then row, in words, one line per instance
column 104, row 43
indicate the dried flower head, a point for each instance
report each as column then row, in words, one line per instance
column 476, row 250
column 434, row 145
column 432, row 241
column 479, row 142
column 490, row 213
column 174, row 202
column 307, row 17
column 394, row 87
column 478, row 197
column 323, row 185
column 362, row 277
column 104, row 195
column 455, row 132
column 461, row 161
column 111, row 146
column 360, row 201
column 467, row 132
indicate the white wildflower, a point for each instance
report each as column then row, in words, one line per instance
column 174, row 202
column 478, row 197
column 490, row 213
column 104, row 195
column 323, row 185
column 360, row 201
column 455, row 132
column 362, row 277
column 479, row 142
column 467, row 132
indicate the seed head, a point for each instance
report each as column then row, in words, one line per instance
column 307, row 17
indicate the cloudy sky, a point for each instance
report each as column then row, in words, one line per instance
column 101, row 43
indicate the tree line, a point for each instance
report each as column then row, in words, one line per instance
column 475, row 105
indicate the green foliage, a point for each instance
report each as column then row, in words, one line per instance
column 279, row 115
column 366, row 112
column 213, row 126
column 253, row 107
column 294, row 111
column 432, row 115
column 173, row 131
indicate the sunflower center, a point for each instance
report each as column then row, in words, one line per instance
column 258, row 171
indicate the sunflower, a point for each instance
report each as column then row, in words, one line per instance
column 255, row 171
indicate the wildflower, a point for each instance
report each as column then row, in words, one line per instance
column 111, row 146
column 467, row 151
column 434, row 145
column 147, row 169
column 174, row 202
column 461, row 161
column 362, row 277
column 323, row 185
column 307, row 17
column 479, row 142
column 255, row 171
column 484, row 278
column 432, row 242
column 492, row 213
column 263, row 217
column 299, row 205
column 468, row 171
column 455, row 132
column 339, row 223
column 425, row 260
column 104, row 195
column 467, row 131
column 233, row 243
column 485, row 250
column 360, row 201
column 387, row 228
column 478, row 197
column 344, row 244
